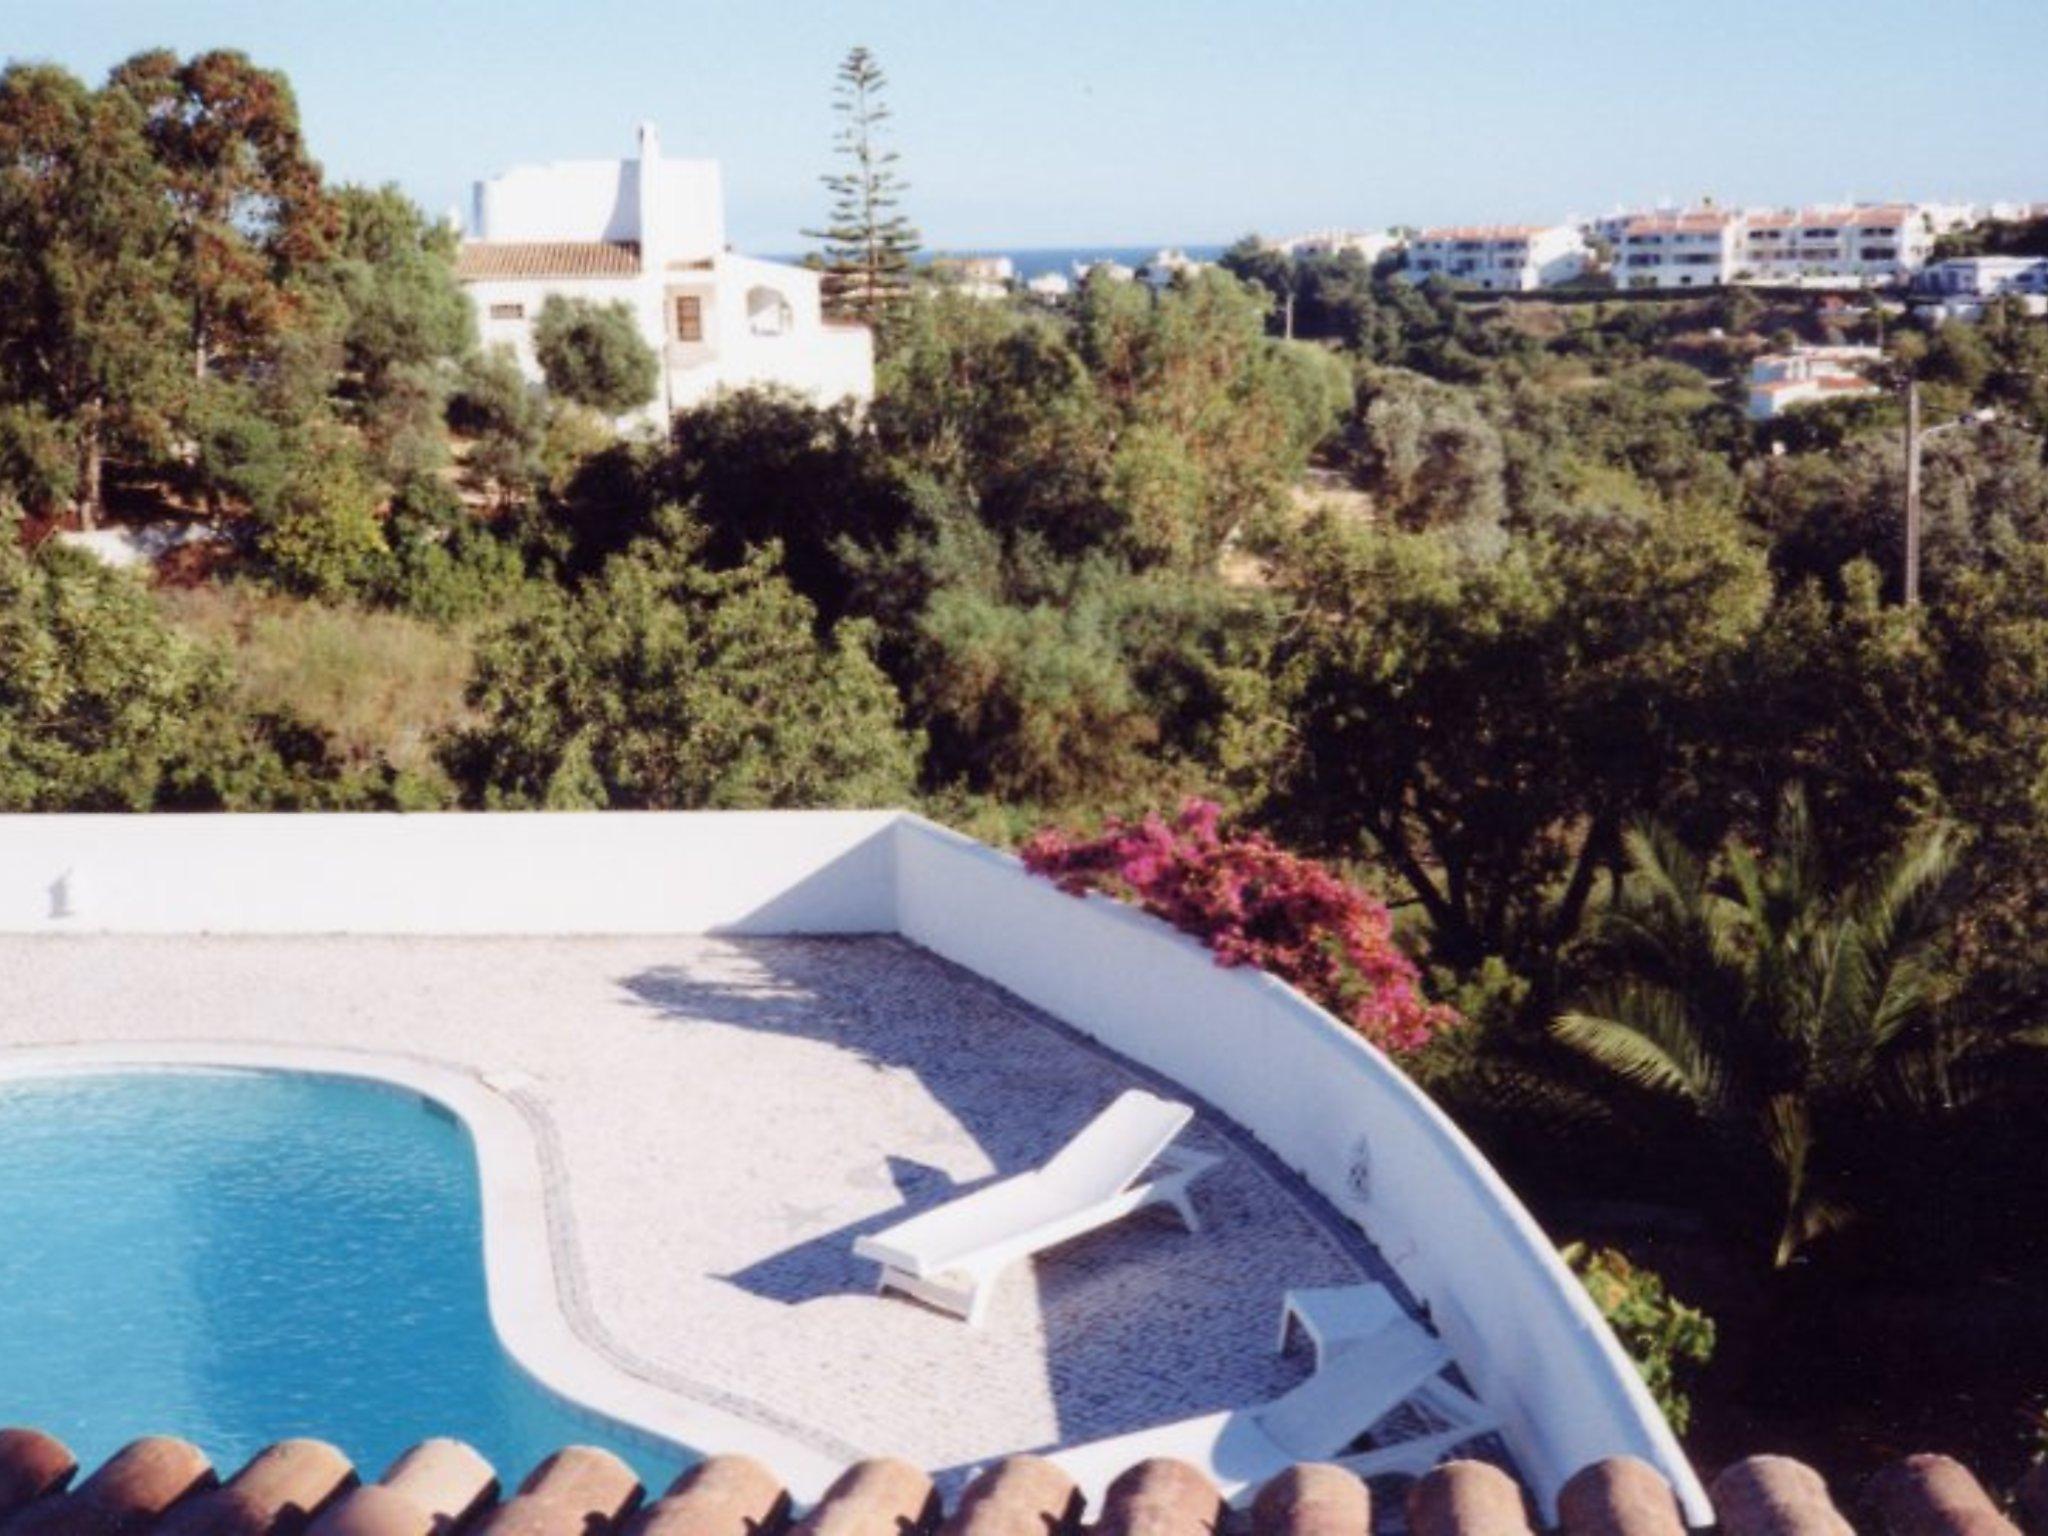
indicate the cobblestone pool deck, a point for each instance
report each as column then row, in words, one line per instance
column 726, row 1116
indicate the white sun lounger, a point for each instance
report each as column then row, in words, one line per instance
column 1360, row 1381
column 950, row 1257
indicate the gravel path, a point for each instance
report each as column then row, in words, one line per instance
column 727, row 1116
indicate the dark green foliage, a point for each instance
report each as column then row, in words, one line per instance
column 595, row 355
column 664, row 685
column 395, row 272
column 1794, row 1021
column 1489, row 721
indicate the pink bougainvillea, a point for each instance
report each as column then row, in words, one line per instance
column 1254, row 903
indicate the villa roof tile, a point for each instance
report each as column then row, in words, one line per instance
column 158, row 1486
column 483, row 261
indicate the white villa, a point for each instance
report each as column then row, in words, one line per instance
column 650, row 232
column 1778, row 382
column 1502, row 258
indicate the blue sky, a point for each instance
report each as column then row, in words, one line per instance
column 1054, row 122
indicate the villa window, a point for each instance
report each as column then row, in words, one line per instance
column 769, row 313
column 508, row 311
column 689, row 318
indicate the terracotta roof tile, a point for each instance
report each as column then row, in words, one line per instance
column 155, row 1487
column 500, row 260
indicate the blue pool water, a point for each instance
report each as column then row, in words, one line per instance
column 236, row 1258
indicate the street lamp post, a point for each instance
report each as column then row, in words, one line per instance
column 1912, row 578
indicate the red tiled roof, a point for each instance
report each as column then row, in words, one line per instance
column 163, row 1487
column 1482, row 232
column 500, row 260
column 1667, row 223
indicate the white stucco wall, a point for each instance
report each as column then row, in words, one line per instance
column 600, row 200
column 577, row 873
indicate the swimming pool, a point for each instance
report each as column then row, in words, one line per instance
column 240, row 1257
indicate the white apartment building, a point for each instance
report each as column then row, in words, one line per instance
column 1501, row 258
column 1371, row 245
column 1697, row 249
column 1959, row 288
column 1985, row 277
column 650, row 233
column 1874, row 243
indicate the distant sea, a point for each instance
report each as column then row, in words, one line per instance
column 1031, row 261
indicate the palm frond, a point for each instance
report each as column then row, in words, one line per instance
column 1645, row 1035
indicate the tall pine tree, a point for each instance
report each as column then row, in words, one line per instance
column 869, row 243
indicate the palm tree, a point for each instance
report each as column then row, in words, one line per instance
column 1795, row 1022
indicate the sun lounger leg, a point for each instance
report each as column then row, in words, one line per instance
column 968, row 1300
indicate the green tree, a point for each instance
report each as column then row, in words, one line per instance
column 869, row 242
column 504, row 420
column 1487, row 722
column 1253, row 260
column 248, row 209
column 102, row 707
column 1791, row 1020
column 88, row 327
column 1212, row 420
column 395, row 271
column 595, row 355
column 664, row 685
column 1426, row 453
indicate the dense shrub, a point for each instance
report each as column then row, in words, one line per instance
column 663, row 685
column 1253, row 903
column 594, row 354
column 1660, row 1332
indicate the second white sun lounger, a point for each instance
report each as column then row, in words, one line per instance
column 950, row 1257
column 1359, row 1382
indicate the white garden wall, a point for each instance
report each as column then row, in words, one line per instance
column 1315, row 1094
column 597, row 872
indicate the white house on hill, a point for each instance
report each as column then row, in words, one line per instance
column 651, row 232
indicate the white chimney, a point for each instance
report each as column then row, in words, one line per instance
column 648, row 188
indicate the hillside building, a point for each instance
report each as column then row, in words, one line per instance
column 649, row 232
column 1501, row 258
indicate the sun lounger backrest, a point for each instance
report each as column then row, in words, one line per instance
column 1117, row 1145
column 1360, row 1383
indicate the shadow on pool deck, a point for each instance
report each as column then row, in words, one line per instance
column 1137, row 1323
column 824, row 1265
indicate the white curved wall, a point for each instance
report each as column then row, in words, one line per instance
column 1318, row 1096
